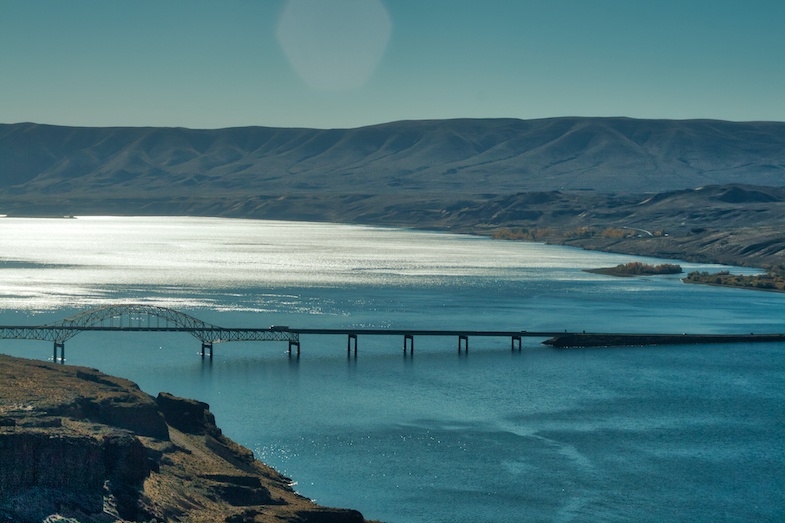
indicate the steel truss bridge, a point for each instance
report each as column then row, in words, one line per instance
column 150, row 318
column 142, row 318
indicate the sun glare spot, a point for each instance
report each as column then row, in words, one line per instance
column 334, row 45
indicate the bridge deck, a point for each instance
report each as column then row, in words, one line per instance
column 426, row 332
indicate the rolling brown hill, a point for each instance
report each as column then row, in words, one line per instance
column 462, row 156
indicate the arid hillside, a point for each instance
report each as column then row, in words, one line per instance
column 460, row 156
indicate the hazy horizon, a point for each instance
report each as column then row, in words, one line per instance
column 354, row 63
column 379, row 123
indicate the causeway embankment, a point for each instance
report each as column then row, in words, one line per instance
column 618, row 340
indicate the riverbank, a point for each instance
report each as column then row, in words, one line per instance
column 772, row 282
column 79, row 444
column 760, row 247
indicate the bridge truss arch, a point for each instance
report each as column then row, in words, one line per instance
column 133, row 316
column 144, row 318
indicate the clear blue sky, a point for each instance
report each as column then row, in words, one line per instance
column 348, row 63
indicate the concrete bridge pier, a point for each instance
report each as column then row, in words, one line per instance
column 516, row 343
column 463, row 340
column 293, row 343
column 351, row 341
column 408, row 343
column 207, row 345
column 61, row 346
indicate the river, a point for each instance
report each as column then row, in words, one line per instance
column 612, row 434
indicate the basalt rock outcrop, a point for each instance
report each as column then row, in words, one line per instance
column 78, row 445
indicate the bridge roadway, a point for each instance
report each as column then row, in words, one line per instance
column 211, row 335
column 409, row 334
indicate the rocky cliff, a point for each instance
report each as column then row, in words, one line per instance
column 78, row 445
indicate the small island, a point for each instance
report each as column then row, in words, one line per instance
column 638, row 269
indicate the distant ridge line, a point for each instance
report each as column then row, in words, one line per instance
column 501, row 155
column 391, row 122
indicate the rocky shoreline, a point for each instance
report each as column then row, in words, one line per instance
column 731, row 247
column 77, row 445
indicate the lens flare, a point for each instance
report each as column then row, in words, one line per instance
column 334, row 45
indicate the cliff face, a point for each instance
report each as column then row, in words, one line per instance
column 77, row 444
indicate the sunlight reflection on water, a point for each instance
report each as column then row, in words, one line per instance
column 48, row 262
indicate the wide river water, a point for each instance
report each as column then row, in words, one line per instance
column 687, row 433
